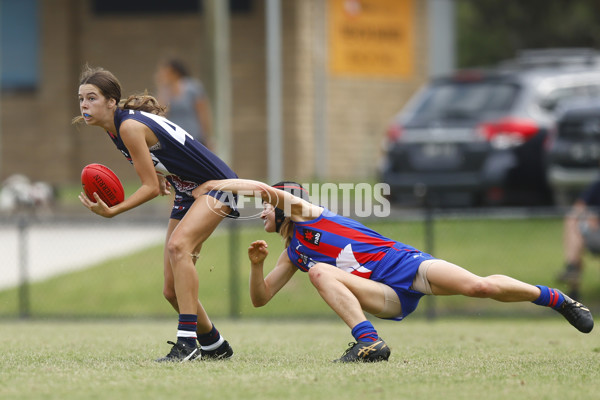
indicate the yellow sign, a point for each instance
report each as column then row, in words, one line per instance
column 372, row 38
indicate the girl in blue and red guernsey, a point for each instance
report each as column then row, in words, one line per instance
column 355, row 268
column 164, row 156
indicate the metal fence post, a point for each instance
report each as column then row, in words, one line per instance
column 421, row 191
column 23, row 243
column 234, row 270
column 429, row 248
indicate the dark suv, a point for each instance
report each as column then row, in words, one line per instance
column 574, row 150
column 477, row 137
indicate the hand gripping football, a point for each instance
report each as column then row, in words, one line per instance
column 100, row 179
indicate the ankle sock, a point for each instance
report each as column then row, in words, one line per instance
column 210, row 340
column 549, row 297
column 186, row 330
column 365, row 332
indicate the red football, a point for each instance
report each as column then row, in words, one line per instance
column 100, row 179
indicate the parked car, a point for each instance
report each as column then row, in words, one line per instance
column 574, row 150
column 477, row 137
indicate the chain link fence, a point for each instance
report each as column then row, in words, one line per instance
column 89, row 266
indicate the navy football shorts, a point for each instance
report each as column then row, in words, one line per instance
column 183, row 202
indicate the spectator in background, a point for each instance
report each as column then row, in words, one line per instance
column 186, row 100
column 581, row 232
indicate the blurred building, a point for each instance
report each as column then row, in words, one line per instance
column 348, row 66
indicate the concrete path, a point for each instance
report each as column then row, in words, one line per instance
column 56, row 249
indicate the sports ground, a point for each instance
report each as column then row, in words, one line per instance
column 94, row 333
column 447, row 359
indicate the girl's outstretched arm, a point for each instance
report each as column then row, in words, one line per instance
column 262, row 289
column 298, row 209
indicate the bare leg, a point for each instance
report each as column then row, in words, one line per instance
column 572, row 238
column 574, row 244
column 348, row 295
column 449, row 279
column 204, row 322
column 185, row 238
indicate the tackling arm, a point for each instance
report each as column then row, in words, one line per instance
column 262, row 289
column 298, row 209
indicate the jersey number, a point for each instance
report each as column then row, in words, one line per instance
column 175, row 131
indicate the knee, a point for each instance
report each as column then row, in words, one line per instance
column 173, row 247
column 317, row 274
column 169, row 294
column 177, row 249
column 482, row 287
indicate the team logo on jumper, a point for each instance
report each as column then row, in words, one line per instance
column 311, row 236
column 183, row 186
column 346, row 261
column 303, row 261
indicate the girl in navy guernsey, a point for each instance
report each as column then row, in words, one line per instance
column 165, row 157
column 355, row 269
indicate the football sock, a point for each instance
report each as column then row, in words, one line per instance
column 365, row 332
column 186, row 330
column 549, row 297
column 211, row 340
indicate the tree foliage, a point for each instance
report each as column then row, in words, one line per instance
column 489, row 31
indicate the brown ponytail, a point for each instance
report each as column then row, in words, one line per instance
column 143, row 102
column 286, row 231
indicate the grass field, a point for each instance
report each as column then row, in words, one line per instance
column 529, row 250
column 282, row 353
column 447, row 359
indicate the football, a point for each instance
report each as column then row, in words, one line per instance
column 100, row 179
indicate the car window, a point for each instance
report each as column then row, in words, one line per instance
column 454, row 100
column 560, row 96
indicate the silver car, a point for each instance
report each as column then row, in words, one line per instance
column 477, row 137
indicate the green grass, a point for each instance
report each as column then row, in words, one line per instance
column 529, row 250
column 448, row 359
column 286, row 354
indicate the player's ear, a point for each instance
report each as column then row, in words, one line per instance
column 112, row 103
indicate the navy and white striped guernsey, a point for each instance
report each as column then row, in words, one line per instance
column 184, row 161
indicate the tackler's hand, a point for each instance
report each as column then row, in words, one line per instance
column 257, row 252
